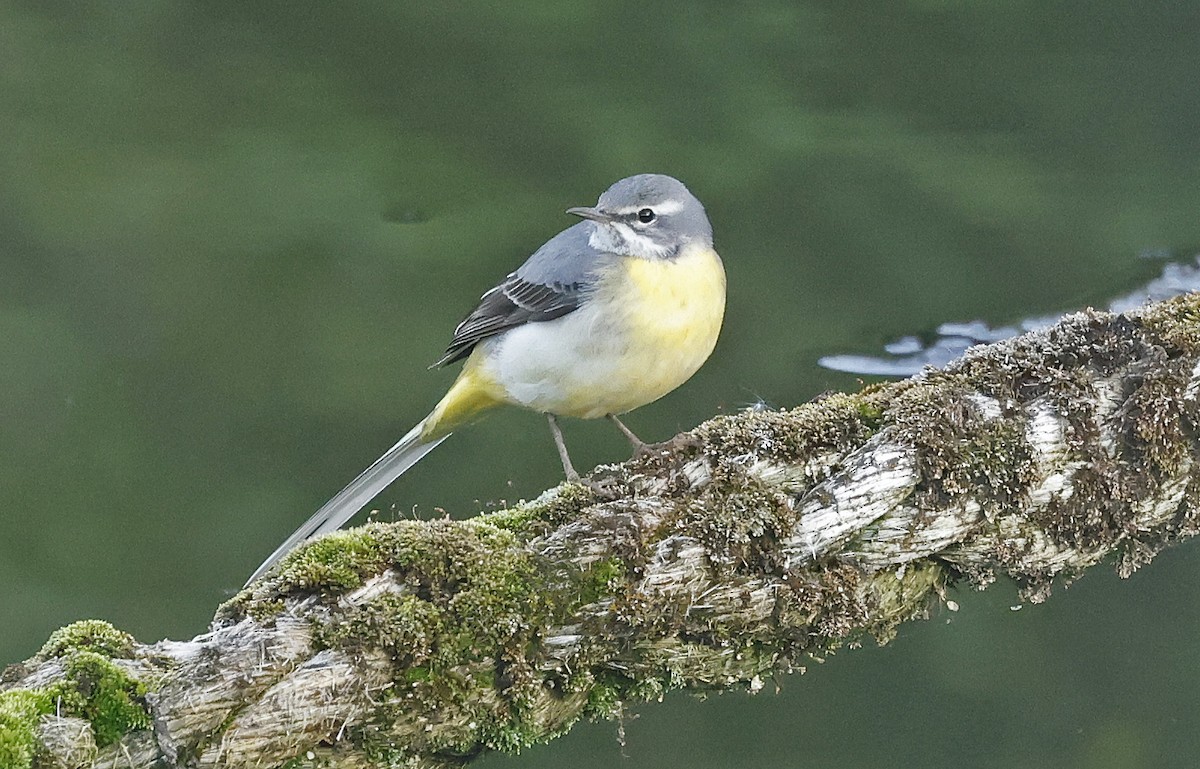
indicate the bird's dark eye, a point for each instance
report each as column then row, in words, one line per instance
column 645, row 216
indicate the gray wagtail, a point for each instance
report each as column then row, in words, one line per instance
column 610, row 314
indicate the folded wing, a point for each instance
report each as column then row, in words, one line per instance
column 553, row 282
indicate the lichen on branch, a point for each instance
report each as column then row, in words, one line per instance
column 735, row 553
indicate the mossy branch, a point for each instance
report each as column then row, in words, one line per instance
column 738, row 552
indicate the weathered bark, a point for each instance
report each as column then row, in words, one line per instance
column 735, row 553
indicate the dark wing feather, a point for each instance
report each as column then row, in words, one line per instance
column 513, row 303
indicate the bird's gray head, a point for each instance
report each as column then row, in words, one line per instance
column 648, row 215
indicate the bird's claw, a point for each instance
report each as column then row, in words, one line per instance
column 607, row 488
column 681, row 441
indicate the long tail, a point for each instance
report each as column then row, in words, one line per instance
column 469, row 395
column 406, row 453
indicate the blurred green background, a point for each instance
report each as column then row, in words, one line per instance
column 233, row 235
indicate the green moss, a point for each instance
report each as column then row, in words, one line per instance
column 901, row 596
column 96, row 689
column 600, row 581
column 610, row 692
column 838, row 423
column 458, row 617
column 514, row 519
column 404, row 625
column 1177, row 322
column 384, row 756
column 93, row 687
column 739, row 520
column 416, row 673
column 20, row 710
column 518, row 732
column 266, row 610
column 338, row 561
column 88, row 635
column 551, row 509
column 648, row 689
column 1155, row 424
column 510, row 736
column 605, row 698
column 962, row 450
column 870, row 413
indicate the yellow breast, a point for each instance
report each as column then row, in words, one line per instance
column 672, row 312
column 677, row 303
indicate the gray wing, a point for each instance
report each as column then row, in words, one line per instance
column 550, row 284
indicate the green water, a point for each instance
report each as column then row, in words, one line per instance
column 233, row 235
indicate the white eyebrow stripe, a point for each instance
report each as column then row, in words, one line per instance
column 665, row 208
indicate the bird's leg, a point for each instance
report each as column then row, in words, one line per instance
column 568, row 468
column 640, row 447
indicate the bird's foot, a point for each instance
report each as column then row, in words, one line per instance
column 606, row 488
column 642, row 450
column 681, row 441
column 640, row 447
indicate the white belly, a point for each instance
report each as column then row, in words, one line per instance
column 643, row 333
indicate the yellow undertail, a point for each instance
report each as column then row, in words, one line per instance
column 470, row 395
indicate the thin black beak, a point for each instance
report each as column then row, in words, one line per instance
column 585, row 212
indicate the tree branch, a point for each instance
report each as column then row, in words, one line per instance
column 737, row 552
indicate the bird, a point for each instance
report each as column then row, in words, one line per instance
column 609, row 315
